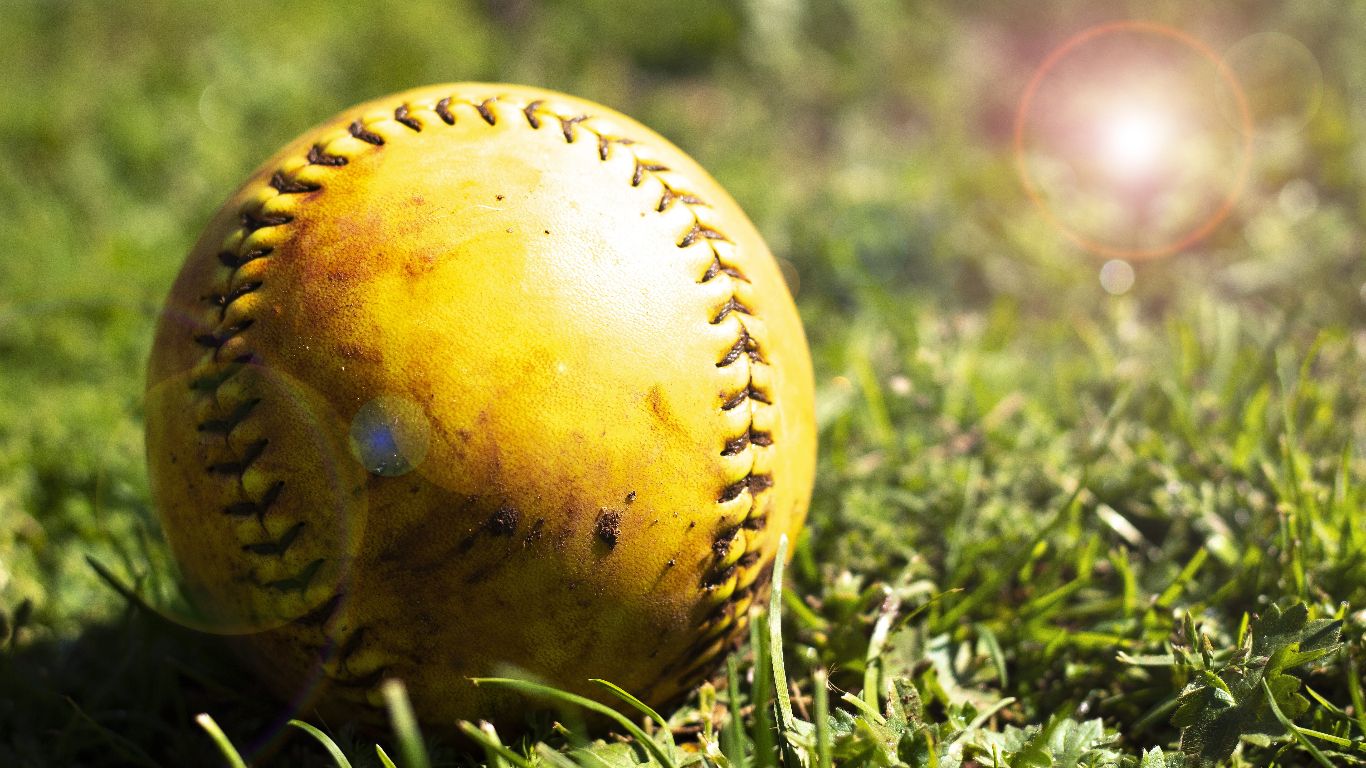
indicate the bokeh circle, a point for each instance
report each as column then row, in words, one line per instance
column 1281, row 81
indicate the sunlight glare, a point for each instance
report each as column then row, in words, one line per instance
column 1134, row 140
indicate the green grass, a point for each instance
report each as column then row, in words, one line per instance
column 1051, row 526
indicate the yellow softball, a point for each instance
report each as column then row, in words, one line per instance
column 475, row 379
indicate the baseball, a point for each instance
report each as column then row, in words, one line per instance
column 473, row 380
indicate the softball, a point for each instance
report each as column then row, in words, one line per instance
column 475, row 379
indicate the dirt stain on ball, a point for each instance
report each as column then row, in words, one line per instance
column 607, row 528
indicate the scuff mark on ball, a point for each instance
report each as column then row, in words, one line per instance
column 608, row 527
column 504, row 521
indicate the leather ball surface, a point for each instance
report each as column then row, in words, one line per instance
column 472, row 379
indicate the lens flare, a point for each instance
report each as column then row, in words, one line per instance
column 390, row 435
column 1133, row 142
column 1121, row 138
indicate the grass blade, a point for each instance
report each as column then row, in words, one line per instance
column 732, row 736
column 872, row 675
column 858, row 703
column 821, row 693
column 998, row 656
column 485, row 736
column 1178, row 585
column 558, row 759
column 495, row 756
column 404, row 724
column 760, row 695
column 1354, row 690
column 1290, row 726
column 220, row 739
column 555, row 694
column 127, row 749
column 643, row 707
column 775, row 639
column 331, row 746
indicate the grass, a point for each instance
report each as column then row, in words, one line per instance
column 1051, row 526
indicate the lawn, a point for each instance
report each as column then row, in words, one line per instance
column 1073, row 506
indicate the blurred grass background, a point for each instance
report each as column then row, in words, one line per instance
column 973, row 373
